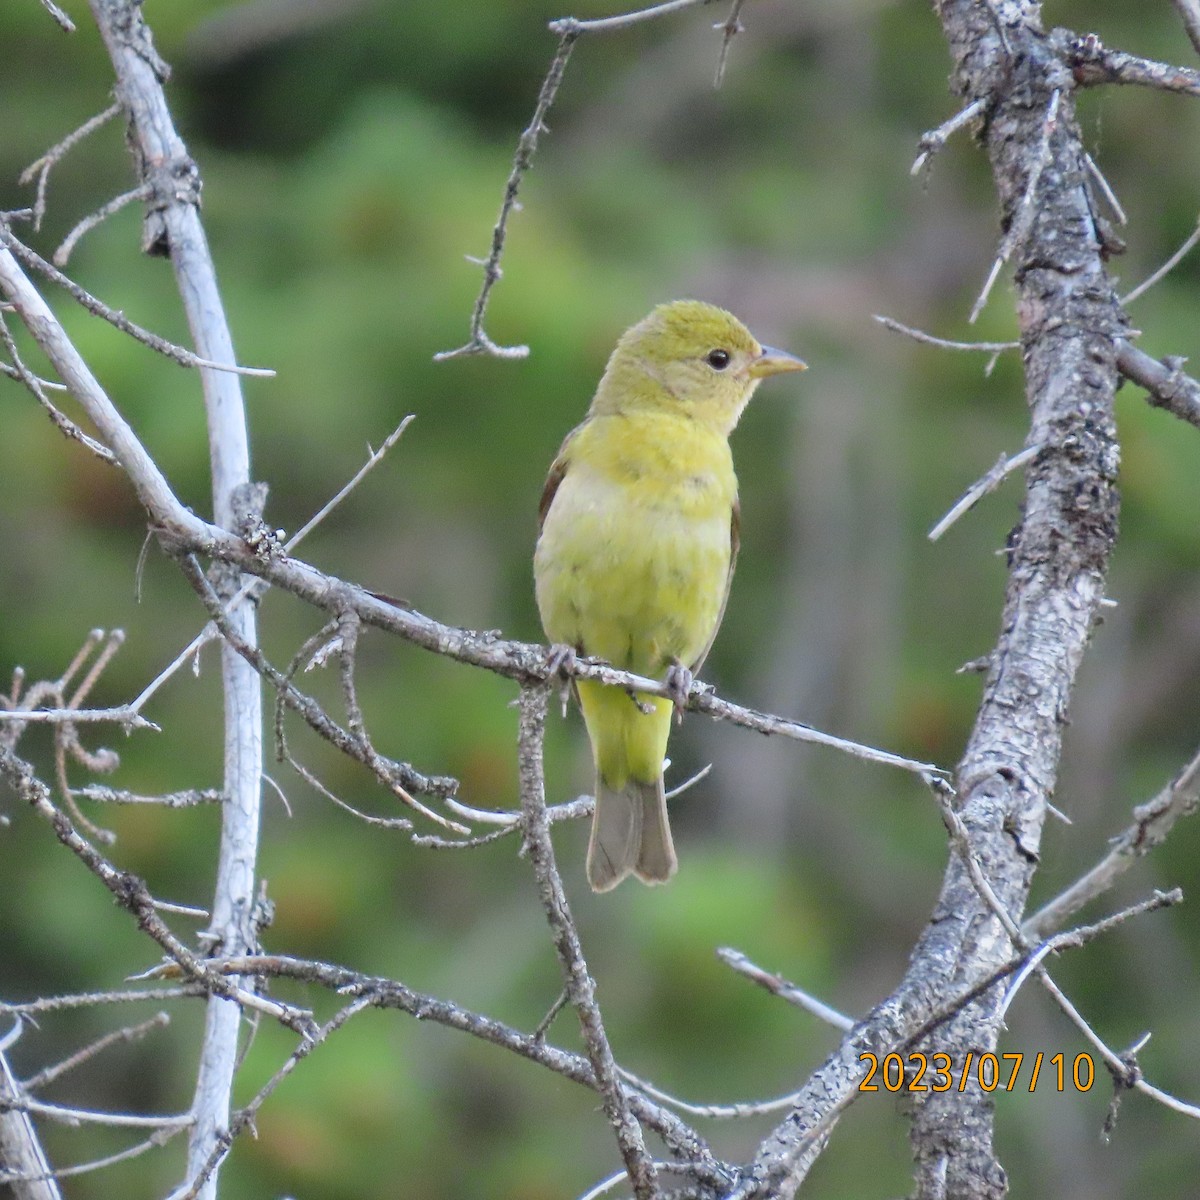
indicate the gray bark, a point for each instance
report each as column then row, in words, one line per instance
column 1070, row 326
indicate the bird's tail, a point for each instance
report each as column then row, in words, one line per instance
column 630, row 835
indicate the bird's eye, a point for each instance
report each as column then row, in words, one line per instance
column 718, row 359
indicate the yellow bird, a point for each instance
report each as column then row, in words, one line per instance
column 638, row 533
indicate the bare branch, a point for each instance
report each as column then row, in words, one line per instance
column 23, row 1162
column 244, row 1118
column 374, row 458
column 729, row 28
column 1164, row 379
column 122, row 715
column 1105, row 189
column 1022, row 218
column 567, row 25
column 64, row 22
column 255, row 588
column 1083, row 934
column 188, row 799
column 929, row 340
column 160, row 1137
column 41, row 169
column 38, row 387
column 131, row 893
column 131, row 1033
column 1153, row 821
column 1093, row 64
column 1189, row 10
column 784, row 989
column 479, row 342
column 579, row 985
column 49, row 1004
column 185, row 358
column 63, row 254
column 1004, row 467
column 1165, row 269
column 390, row 994
column 399, row 778
column 930, row 143
column 84, row 1116
column 718, row 1112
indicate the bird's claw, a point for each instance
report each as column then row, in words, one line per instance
column 679, row 684
column 561, row 661
column 560, row 664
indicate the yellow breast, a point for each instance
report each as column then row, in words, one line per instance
column 633, row 560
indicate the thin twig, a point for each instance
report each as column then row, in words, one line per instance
column 1123, row 1070
column 1091, row 64
column 399, row 778
column 64, row 22
column 41, row 168
column 244, row 1118
column 131, row 1033
column 1081, row 935
column 1189, row 11
column 1164, row 379
column 374, row 458
column 257, row 587
column 38, row 387
column 607, row 24
column 49, row 1004
column 1004, row 467
column 62, row 255
column 479, row 342
column 132, row 894
column 928, row 339
column 930, row 143
column 185, row 358
column 1153, row 821
column 390, row 994
column 86, row 1116
column 13, row 373
column 1022, row 219
column 187, row 799
column 784, row 989
column 122, row 715
column 578, row 982
column 739, row 1110
column 1105, row 189
column 1165, row 269
column 159, row 1138
column 507, row 823
column 729, row 28
column 607, row 1185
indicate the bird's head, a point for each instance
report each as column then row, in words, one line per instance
column 689, row 357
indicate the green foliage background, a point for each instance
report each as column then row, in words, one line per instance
column 349, row 165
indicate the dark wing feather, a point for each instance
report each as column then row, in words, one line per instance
column 558, row 471
column 735, row 538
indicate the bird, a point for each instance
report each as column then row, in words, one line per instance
column 638, row 532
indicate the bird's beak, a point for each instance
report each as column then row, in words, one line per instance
column 775, row 362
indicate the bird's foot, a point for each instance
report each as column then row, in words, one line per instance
column 561, row 660
column 679, row 684
column 560, row 663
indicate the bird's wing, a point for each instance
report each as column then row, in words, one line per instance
column 558, row 471
column 735, row 538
